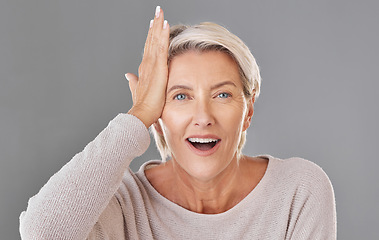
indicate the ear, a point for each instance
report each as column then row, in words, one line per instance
column 158, row 127
column 249, row 114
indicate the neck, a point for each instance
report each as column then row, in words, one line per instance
column 214, row 195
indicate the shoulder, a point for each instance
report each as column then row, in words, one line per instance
column 300, row 173
column 298, row 166
column 310, row 197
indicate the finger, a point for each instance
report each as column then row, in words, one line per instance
column 157, row 25
column 131, row 77
column 148, row 38
column 164, row 43
column 155, row 29
column 149, row 34
column 158, row 20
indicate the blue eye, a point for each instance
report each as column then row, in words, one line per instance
column 180, row 97
column 224, row 95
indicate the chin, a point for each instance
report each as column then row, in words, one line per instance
column 203, row 169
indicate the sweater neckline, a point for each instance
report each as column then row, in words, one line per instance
column 241, row 206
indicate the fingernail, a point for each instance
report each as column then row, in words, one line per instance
column 157, row 11
column 151, row 23
column 165, row 24
column 126, row 76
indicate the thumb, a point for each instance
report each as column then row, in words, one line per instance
column 133, row 79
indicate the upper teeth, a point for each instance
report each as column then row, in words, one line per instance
column 202, row 140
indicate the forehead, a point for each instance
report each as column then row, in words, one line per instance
column 207, row 67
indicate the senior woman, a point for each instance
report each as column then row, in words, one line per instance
column 196, row 88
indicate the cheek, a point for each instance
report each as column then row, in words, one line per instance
column 174, row 121
column 232, row 121
column 231, row 115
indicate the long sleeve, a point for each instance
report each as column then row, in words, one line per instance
column 71, row 202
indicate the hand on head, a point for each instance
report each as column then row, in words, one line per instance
column 149, row 88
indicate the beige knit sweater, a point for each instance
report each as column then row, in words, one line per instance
column 97, row 196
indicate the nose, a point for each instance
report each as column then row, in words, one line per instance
column 203, row 114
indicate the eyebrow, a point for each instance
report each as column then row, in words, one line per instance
column 212, row 88
column 222, row 84
column 179, row 87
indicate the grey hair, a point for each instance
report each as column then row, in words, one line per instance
column 213, row 37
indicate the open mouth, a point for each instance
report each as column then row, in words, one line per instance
column 203, row 144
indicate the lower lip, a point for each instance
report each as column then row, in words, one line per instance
column 203, row 153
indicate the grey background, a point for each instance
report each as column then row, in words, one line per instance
column 62, row 66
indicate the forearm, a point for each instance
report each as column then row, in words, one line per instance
column 70, row 203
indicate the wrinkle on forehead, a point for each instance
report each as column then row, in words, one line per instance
column 217, row 69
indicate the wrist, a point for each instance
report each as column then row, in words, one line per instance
column 141, row 115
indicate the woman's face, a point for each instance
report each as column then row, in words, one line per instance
column 205, row 112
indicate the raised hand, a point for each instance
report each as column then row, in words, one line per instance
column 149, row 89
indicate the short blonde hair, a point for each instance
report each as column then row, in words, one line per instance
column 213, row 37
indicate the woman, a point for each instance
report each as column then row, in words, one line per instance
column 196, row 87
